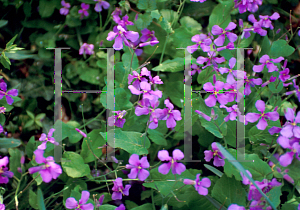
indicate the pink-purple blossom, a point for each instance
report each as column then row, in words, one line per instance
column 211, row 60
column 87, row 49
column 171, row 115
column 83, row 11
column 294, row 146
column 119, row 190
column 147, row 34
column 265, row 60
column 177, row 168
column 291, row 128
column 215, row 154
column 120, row 35
column 121, row 207
column 233, row 113
column 137, row 167
column 262, row 117
column 117, row 120
column 49, row 170
column 200, row 185
column 81, row 132
column 4, row 173
column 100, row 4
column 72, row 203
column 217, row 30
column 65, row 9
column 235, row 207
column 47, row 138
column 7, row 94
column 201, row 40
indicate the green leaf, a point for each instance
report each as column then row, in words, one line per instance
column 147, row 206
column 190, row 23
column 274, row 195
column 4, row 62
column 231, row 136
column 221, row 15
column 174, row 65
column 182, row 37
column 132, row 142
column 265, row 46
column 68, row 130
column 157, row 137
column 258, row 168
column 27, row 9
column 246, row 42
column 147, row 5
column 40, row 116
column 74, row 166
column 214, row 170
column 143, row 21
column 20, row 55
column 72, row 21
column 91, row 76
column 30, row 147
column 228, row 190
column 40, row 200
column 46, row 8
column 175, row 90
column 107, row 207
column 9, row 142
column 96, row 140
column 29, row 123
column 3, row 23
column 33, row 200
column 30, row 114
column 14, row 161
column 280, row 48
column 125, row 5
column 257, row 135
column 240, row 168
column 10, row 43
column 155, row 14
column 126, row 59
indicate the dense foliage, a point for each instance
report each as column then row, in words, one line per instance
column 235, row 147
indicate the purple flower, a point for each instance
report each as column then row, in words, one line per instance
column 245, row 180
column 146, row 90
column 265, row 60
column 86, row 49
column 256, row 28
column 202, row 40
column 262, row 124
column 230, row 76
column 147, row 34
column 65, row 9
column 152, row 43
column 49, row 170
column 200, row 186
column 290, row 128
column 216, row 154
column 137, row 167
column 195, row 69
column 117, row 12
column 230, row 46
column 13, row 92
column 139, row 77
column 171, row 115
column 118, row 119
column 100, row 4
column 4, row 173
column 1, row 129
column 2, row 109
column 100, row 201
column 217, row 30
column 299, row 35
column 121, row 207
column 251, row 82
column 235, row 207
column 233, row 113
column 211, row 60
column 120, row 35
column 124, row 22
column 177, row 168
column 250, row 5
column 284, row 75
column 119, row 190
column 212, row 99
column 72, row 203
column 46, row 139
column 83, row 11
column 82, row 133
column 201, row 1
column 266, row 22
column 297, row 90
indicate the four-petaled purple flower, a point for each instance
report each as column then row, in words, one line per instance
column 46, row 139
column 266, row 22
column 137, row 167
column 65, row 9
column 177, row 168
column 265, row 60
column 216, row 154
column 200, row 186
column 147, row 34
column 262, row 124
column 100, row 4
column 211, row 60
column 49, row 170
column 202, row 40
column 251, row 82
column 290, row 128
column 118, row 119
column 171, row 115
column 233, row 113
column 212, row 99
column 72, row 203
column 284, row 75
column 146, row 90
column 250, row 5
column 119, row 190
column 230, row 77
column 120, row 35
column 4, row 173
column 217, row 30
column 195, row 69
column 86, row 49
column 13, row 92
column 83, row 11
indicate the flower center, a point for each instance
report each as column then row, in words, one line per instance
column 47, row 165
column 266, row 19
column 172, row 162
column 1, row 170
column 199, row 42
column 293, row 124
column 263, row 114
column 139, row 77
column 216, row 92
column 215, row 152
column 139, row 167
column 78, row 207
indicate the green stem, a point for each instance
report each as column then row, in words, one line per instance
column 92, row 119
